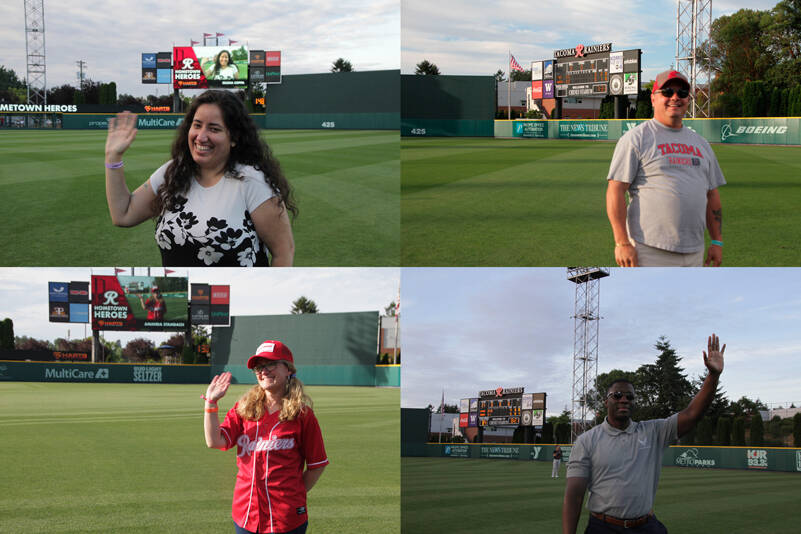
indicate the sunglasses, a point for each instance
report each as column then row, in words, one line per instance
column 617, row 395
column 265, row 367
column 683, row 93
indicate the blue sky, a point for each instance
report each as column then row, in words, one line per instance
column 466, row 330
column 474, row 38
column 111, row 35
column 23, row 293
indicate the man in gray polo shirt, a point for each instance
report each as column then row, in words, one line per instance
column 619, row 461
column 672, row 178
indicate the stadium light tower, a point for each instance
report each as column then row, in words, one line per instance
column 693, row 46
column 585, row 342
column 36, row 78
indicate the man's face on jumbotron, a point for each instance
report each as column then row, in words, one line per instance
column 620, row 401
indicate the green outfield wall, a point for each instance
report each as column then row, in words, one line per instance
column 368, row 100
column 749, row 458
column 329, row 348
column 14, row 371
column 444, row 106
column 767, row 131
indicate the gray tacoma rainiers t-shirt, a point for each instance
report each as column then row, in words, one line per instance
column 670, row 171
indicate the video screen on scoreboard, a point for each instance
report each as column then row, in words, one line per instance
column 139, row 303
column 203, row 67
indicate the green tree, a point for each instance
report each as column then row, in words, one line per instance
column 703, row 434
column 775, row 427
column 757, row 431
column 521, row 76
column 797, row 430
column 303, row 305
column 775, row 106
column 645, row 110
column 738, row 431
column 7, row 334
column 389, row 311
column 10, row 80
column 547, row 433
column 745, row 406
column 755, row 99
column 425, row 68
column 500, row 76
column 607, row 107
column 723, row 432
column 341, row 65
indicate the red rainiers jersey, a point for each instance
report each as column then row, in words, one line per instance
column 155, row 309
column 269, row 495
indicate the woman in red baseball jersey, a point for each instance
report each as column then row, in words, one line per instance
column 276, row 435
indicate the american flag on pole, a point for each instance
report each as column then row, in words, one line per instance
column 514, row 65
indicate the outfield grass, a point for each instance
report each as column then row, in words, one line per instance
column 522, row 202
column 55, row 212
column 131, row 458
column 512, row 497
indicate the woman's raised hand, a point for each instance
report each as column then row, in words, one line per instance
column 121, row 133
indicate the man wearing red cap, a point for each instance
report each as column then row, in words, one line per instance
column 672, row 178
column 280, row 451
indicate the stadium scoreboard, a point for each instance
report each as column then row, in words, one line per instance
column 587, row 71
column 504, row 407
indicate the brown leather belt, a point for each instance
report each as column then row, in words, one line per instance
column 625, row 523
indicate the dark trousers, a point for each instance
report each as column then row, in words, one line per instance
column 300, row 530
column 652, row 526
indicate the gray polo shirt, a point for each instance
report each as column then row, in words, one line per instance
column 622, row 467
column 670, row 172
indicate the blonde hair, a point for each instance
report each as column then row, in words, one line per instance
column 253, row 403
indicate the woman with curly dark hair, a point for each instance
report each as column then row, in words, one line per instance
column 221, row 200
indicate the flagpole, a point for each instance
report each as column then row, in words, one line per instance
column 441, row 415
column 509, row 89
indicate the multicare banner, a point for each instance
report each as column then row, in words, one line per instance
column 201, row 67
column 139, row 303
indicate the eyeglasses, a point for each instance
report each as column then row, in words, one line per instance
column 683, row 93
column 617, row 395
column 264, row 367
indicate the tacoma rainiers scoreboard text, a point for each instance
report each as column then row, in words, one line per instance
column 592, row 71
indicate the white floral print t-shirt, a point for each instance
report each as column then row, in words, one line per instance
column 211, row 226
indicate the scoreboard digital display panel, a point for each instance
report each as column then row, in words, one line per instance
column 595, row 71
column 511, row 407
column 586, row 76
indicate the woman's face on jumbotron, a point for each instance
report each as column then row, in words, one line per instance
column 224, row 59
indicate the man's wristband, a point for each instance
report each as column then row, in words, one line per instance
column 716, row 242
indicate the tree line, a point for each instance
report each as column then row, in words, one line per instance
column 662, row 389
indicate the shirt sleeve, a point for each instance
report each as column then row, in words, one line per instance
column 667, row 430
column 625, row 161
column 157, row 178
column 312, row 444
column 257, row 190
column 715, row 176
column 579, row 463
column 231, row 428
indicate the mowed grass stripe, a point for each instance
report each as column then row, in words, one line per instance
column 59, row 214
column 488, row 202
column 509, row 496
column 156, row 475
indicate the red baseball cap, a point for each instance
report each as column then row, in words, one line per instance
column 271, row 350
column 663, row 77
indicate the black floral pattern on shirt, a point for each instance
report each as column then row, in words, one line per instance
column 183, row 241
